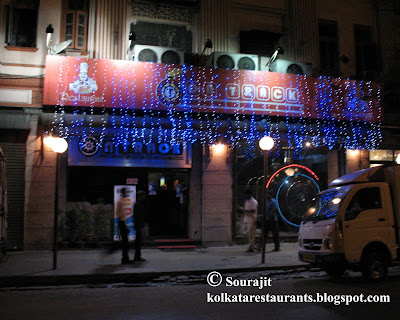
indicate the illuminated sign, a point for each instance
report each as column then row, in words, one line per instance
column 87, row 151
column 133, row 85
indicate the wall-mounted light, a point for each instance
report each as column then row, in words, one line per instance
column 48, row 140
column 49, row 31
column 218, row 148
column 132, row 37
column 353, row 152
column 57, row 144
column 273, row 57
column 208, row 45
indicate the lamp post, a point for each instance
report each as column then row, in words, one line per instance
column 59, row 146
column 132, row 37
column 266, row 144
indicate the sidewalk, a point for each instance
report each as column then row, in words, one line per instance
column 34, row 268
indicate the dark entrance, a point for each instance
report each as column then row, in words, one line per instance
column 168, row 210
column 167, row 191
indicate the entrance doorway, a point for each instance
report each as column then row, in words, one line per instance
column 167, row 191
column 168, row 209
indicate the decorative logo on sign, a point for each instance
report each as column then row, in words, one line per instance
column 89, row 146
column 168, row 90
column 84, row 85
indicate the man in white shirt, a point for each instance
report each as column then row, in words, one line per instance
column 250, row 218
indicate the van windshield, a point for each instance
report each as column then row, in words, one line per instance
column 326, row 204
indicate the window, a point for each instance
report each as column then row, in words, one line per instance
column 396, row 7
column 74, row 24
column 22, row 21
column 379, row 156
column 367, row 62
column 259, row 42
column 328, row 48
column 162, row 34
column 364, row 199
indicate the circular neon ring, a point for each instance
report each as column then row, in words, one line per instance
column 290, row 166
column 277, row 196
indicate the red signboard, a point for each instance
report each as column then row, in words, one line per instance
column 124, row 84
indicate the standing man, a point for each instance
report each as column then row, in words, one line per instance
column 139, row 211
column 250, row 218
column 123, row 228
column 271, row 219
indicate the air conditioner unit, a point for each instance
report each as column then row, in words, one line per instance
column 156, row 54
column 233, row 61
column 293, row 67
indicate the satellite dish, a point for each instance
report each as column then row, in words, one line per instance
column 60, row 47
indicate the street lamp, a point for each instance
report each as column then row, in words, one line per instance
column 59, row 146
column 266, row 144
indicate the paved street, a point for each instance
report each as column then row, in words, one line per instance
column 172, row 301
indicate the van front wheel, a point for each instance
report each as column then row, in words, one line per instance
column 374, row 265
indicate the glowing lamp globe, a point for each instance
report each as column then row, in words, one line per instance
column 266, row 143
column 59, row 145
column 48, row 141
column 219, row 148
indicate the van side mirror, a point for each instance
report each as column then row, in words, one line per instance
column 351, row 214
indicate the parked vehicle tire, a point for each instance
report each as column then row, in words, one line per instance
column 374, row 265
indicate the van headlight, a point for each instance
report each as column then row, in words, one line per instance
column 328, row 244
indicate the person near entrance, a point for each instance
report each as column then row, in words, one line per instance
column 250, row 218
column 123, row 228
column 271, row 220
column 139, row 212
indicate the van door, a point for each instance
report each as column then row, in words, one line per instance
column 367, row 218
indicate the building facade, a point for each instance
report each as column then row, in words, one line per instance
column 171, row 97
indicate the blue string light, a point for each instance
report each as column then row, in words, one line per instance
column 181, row 124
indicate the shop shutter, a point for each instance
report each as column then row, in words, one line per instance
column 15, row 155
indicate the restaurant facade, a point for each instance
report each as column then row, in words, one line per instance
column 186, row 133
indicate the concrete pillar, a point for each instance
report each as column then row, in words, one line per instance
column 217, row 196
column 353, row 160
column 333, row 165
column 39, row 191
